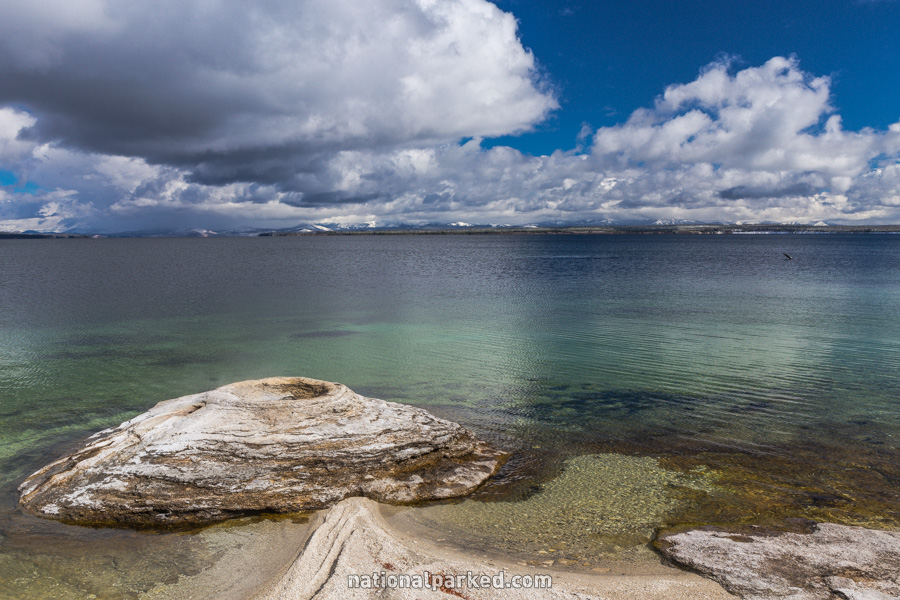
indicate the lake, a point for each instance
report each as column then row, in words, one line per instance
column 640, row 381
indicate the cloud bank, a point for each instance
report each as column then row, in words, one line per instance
column 125, row 115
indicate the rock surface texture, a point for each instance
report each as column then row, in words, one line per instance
column 834, row 561
column 271, row 445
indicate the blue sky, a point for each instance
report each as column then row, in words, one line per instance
column 128, row 115
column 608, row 58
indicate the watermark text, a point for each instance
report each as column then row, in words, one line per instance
column 448, row 581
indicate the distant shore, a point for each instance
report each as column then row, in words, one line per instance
column 612, row 230
column 13, row 235
column 486, row 230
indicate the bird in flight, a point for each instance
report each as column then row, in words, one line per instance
column 789, row 257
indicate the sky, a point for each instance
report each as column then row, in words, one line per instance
column 132, row 115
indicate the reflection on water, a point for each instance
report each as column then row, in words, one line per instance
column 774, row 382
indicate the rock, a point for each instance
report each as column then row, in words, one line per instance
column 834, row 561
column 273, row 445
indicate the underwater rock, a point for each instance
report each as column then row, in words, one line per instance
column 272, row 445
column 834, row 561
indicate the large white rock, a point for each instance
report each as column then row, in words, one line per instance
column 271, row 445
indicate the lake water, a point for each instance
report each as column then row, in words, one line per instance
column 640, row 381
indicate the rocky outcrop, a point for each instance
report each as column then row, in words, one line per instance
column 834, row 561
column 271, row 445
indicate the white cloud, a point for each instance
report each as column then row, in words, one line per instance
column 759, row 119
column 763, row 141
column 12, row 149
column 759, row 144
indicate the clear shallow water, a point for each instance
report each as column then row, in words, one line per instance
column 709, row 354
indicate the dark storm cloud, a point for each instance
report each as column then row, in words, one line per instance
column 752, row 193
column 329, row 199
column 229, row 90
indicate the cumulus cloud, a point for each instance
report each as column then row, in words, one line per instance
column 764, row 139
column 231, row 90
column 773, row 118
column 763, row 143
column 758, row 144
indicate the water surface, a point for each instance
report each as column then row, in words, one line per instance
column 758, row 388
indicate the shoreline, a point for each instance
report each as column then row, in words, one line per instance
column 360, row 549
column 359, row 536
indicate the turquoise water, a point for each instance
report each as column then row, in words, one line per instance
column 781, row 377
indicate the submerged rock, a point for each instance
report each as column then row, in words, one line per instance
column 271, row 445
column 834, row 561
